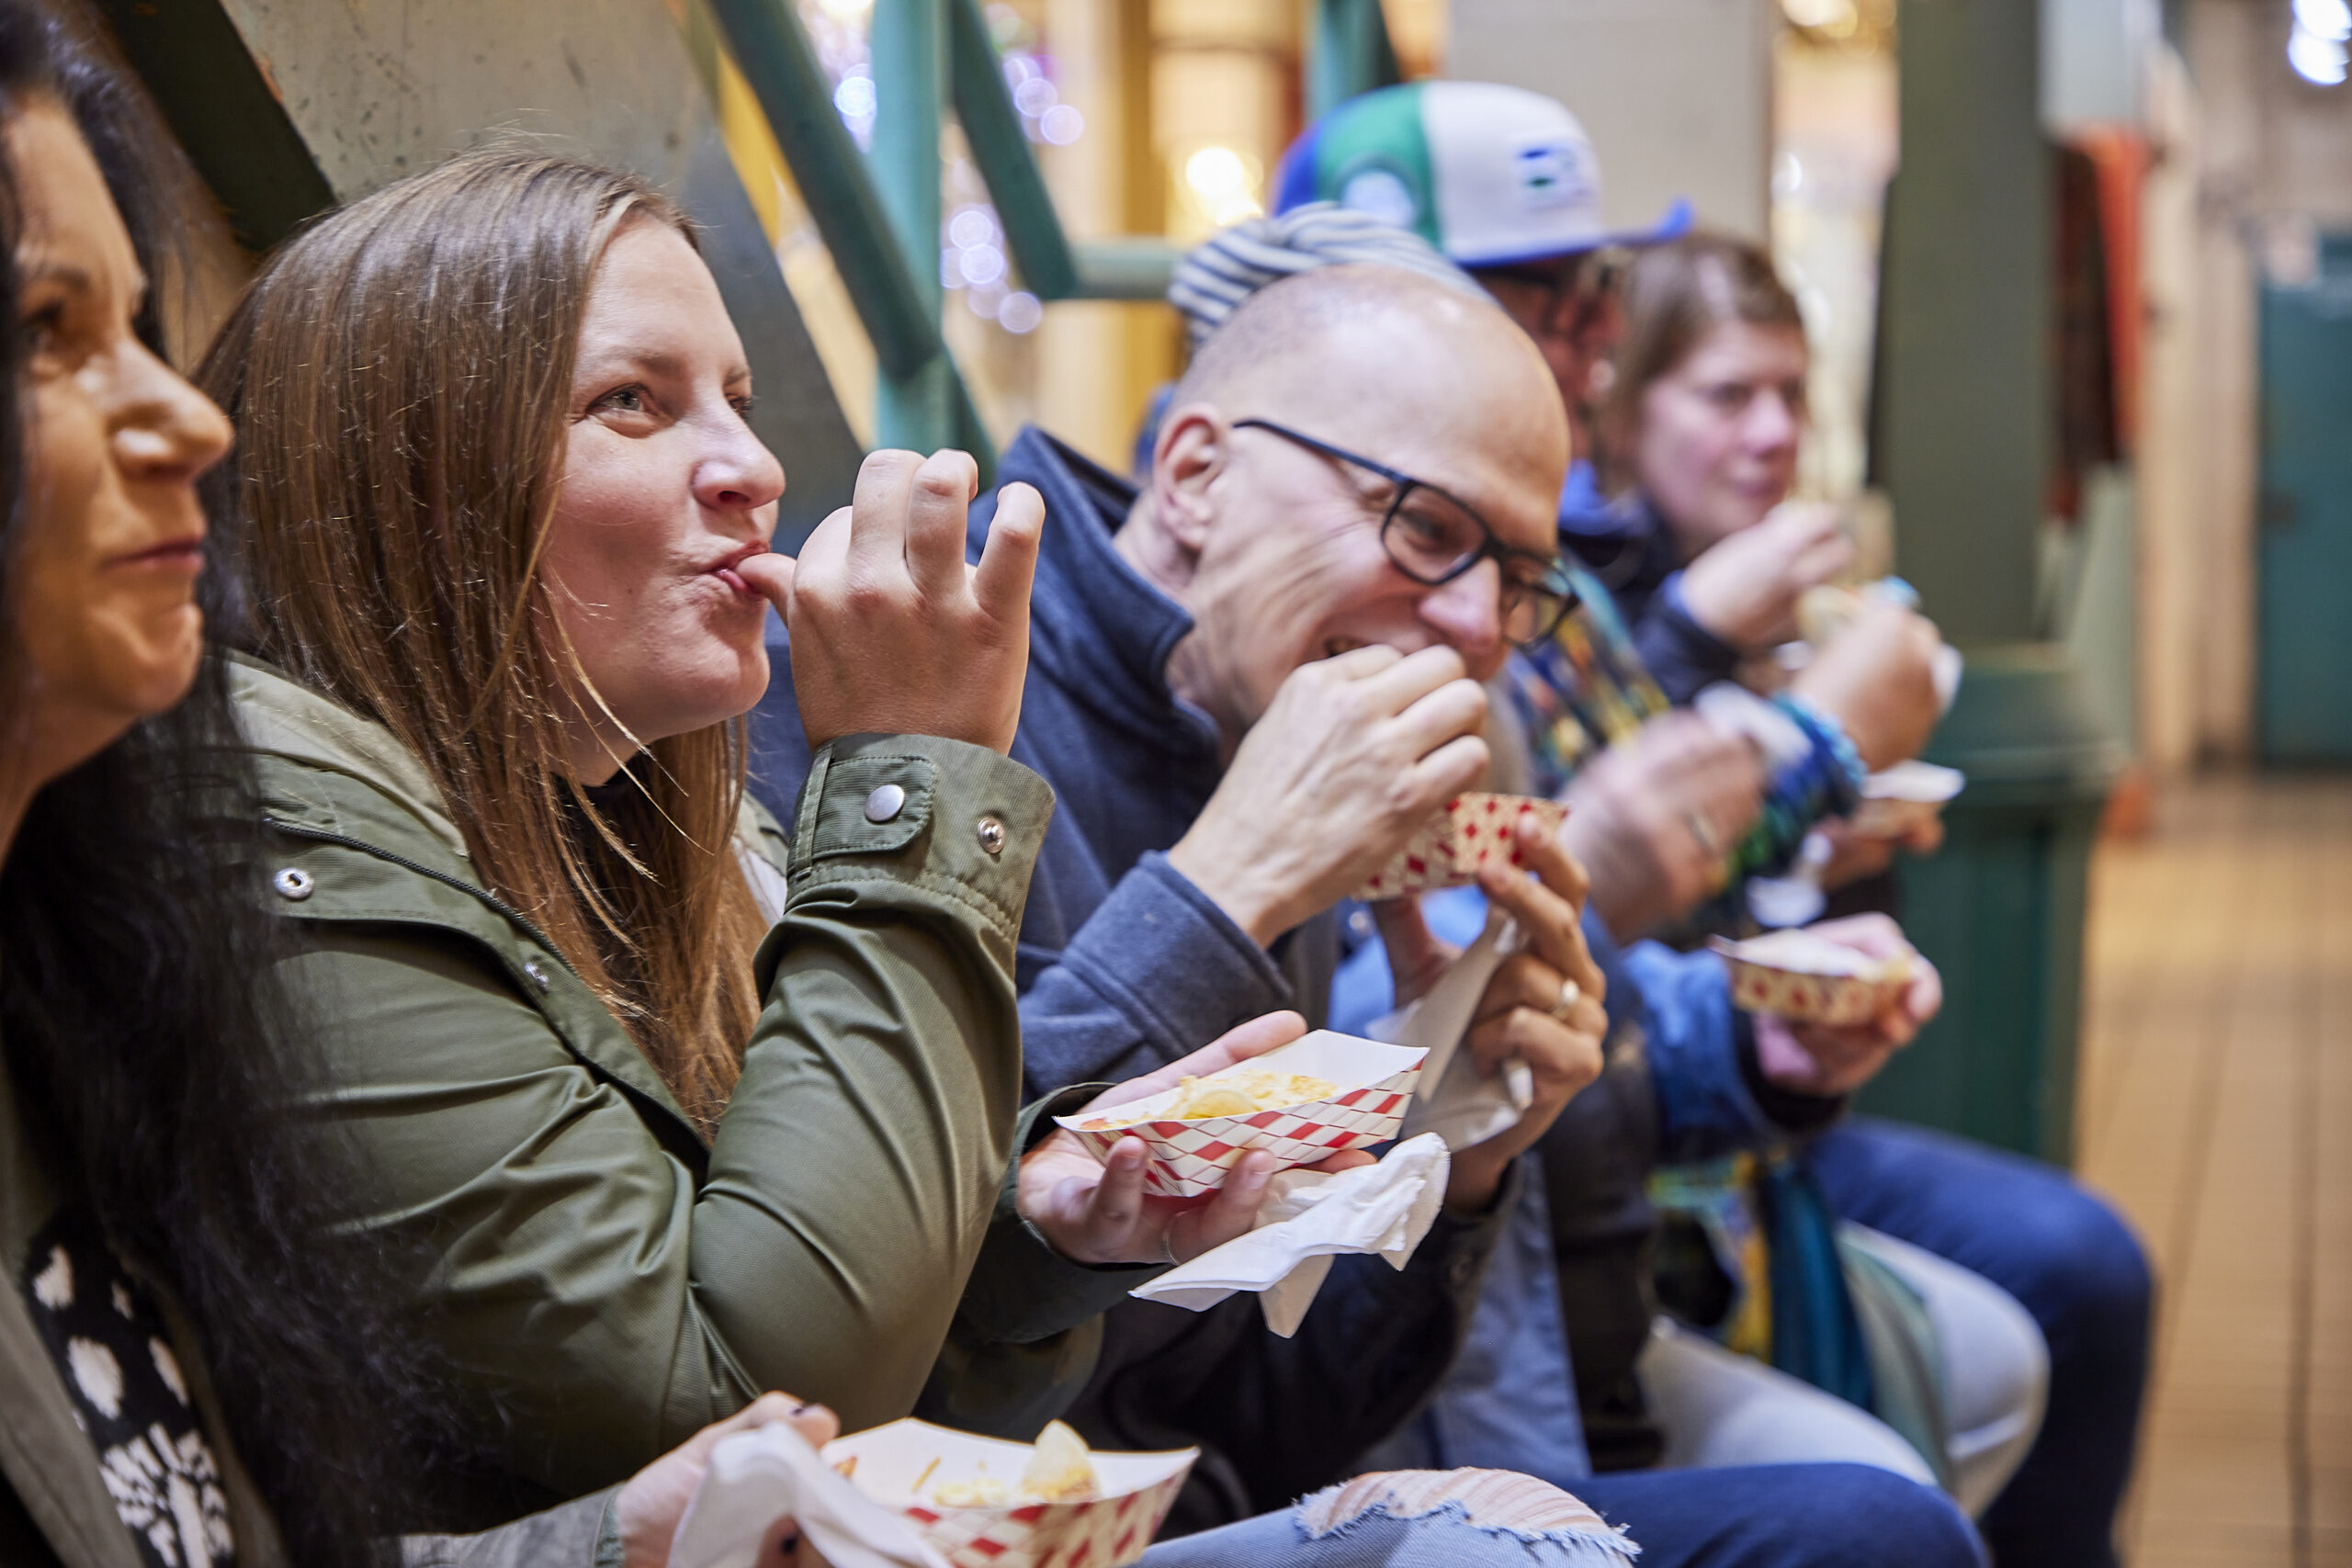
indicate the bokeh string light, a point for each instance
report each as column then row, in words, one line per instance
column 2317, row 44
column 974, row 261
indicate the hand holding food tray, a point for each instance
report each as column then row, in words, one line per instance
column 1899, row 800
column 982, row 1503
column 1302, row 1102
column 910, row 1494
column 1811, row 979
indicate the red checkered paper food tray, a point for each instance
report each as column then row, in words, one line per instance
column 1449, row 849
column 902, row 1464
column 1795, row 975
column 1374, row 1085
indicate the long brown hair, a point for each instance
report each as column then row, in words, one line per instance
column 1674, row 296
column 400, row 376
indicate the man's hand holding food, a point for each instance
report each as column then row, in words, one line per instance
column 1354, row 753
column 1542, row 1007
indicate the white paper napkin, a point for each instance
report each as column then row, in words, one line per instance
column 1948, row 667
column 1307, row 1219
column 1454, row 1102
column 757, row 1477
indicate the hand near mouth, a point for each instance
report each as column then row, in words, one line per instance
column 892, row 631
column 764, row 572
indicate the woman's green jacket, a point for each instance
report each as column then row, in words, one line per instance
column 608, row 1279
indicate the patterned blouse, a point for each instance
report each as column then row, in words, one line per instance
column 105, row 1333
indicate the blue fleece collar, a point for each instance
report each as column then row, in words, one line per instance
column 1095, row 625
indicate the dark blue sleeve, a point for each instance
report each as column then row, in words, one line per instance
column 1704, row 1108
column 1711, row 1096
column 780, row 756
column 1682, row 656
column 1155, row 971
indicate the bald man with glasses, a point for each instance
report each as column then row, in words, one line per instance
column 1250, row 682
column 1252, row 677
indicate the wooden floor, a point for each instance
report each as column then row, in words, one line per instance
column 2217, row 1108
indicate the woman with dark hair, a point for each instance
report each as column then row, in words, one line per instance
column 194, row 1363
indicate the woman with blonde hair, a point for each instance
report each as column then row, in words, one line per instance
column 679, row 1109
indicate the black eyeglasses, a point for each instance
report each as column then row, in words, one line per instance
column 1586, row 273
column 1578, row 287
column 1433, row 538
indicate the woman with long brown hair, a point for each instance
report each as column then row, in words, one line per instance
column 680, row 1109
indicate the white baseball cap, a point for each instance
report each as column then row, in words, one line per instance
column 1491, row 176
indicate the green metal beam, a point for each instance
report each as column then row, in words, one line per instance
column 223, row 107
column 1050, row 264
column 1351, row 54
column 880, row 215
column 913, row 408
column 779, row 61
column 1032, row 230
column 1131, row 268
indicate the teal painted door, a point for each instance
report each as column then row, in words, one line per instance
column 2304, row 635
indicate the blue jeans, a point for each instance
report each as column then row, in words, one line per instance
column 1781, row 1516
column 1784, row 1515
column 2072, row 1264
column 1434, row 1540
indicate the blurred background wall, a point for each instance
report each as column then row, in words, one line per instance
column 2166, row 556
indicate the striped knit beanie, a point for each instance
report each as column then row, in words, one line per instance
column 1233, row 263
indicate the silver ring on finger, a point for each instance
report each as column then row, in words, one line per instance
column 1570, row 994
column 1705, row 832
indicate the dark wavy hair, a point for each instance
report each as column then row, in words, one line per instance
column 159, row 1064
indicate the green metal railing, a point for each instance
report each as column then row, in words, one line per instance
column 1350, row 54
column 909, row 46
column 880, row 213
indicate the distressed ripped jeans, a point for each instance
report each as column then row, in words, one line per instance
column 1413, row 1518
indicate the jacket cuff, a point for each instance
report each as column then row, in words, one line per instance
column 1462, row 1245
column 1173, row 961
column 1704, row 1106
column 1789, row 1109
column 1021, row 1290
column 1683, row 655
column 951, row 818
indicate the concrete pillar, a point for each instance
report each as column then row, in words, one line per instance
column 1967, row 384
column 1099, row 360
column 1676, row 95
column 375, row 89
